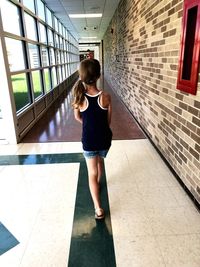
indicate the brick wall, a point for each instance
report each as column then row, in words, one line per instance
column 141, row 60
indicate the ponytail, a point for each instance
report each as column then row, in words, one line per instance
column 78, row 94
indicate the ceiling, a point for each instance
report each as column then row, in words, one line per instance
column 94, row 27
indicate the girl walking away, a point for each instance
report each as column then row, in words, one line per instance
column 92, row 108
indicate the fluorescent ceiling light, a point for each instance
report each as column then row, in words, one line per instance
column 91, row 15
column 88, row 37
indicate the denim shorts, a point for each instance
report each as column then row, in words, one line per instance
column 92, row 154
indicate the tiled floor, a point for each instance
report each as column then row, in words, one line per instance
column 154, row 223
column 46, row 213
column 58, row 123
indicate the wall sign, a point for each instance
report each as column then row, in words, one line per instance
column 190, row 48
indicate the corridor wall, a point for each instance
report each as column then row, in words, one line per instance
column 141, row 57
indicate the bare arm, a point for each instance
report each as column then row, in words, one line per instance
column 77, row 115
column 109, row 111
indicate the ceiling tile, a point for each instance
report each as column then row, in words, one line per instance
column 63, row 8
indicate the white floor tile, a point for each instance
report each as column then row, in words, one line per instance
column 53, row 147
column 7, row 149
column 146, row 201
column 140, row 251
column 173, row 221
column 37, row 206
column 180, row 250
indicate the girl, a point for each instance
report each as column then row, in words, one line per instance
column 92, row 108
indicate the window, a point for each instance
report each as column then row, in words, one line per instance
column 52, row 56
column 67, row 70
column 49, row 17
column 15, row 52
column 36, row 49
column 62, row 57
column 60, row 74
column 50, row 38
column 40, row 10
column 54, row 76
column 9, row 10
column 61, row 43
column 63, row 72
column 20, row 90
column 30, row 27
column 59, row 27
column 65, row 57
column 66, row 35
column 190, row 47
column 45, row 57
column 34, row 56
column 37, row 86
column 57, row 53
column 29, row 4
column 64, row 44
column 43, row 34
column 56, row 41
column 47, row 80
column 56, row 24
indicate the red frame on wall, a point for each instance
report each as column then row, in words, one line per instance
column 189, row 85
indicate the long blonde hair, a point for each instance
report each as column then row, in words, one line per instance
column 89, row 72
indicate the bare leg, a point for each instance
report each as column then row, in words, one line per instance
column 100, row 168
column 92, row 165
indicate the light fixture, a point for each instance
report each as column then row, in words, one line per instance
column 91, row 15
column 89, row 37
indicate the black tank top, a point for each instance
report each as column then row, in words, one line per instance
column 96, row 133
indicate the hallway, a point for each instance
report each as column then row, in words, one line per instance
column 58, row 123
column 150, row 220
column 149, row 52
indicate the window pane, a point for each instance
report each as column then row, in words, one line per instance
column 47, row 80
column 66, row 33
column 15, row 52
column 65, row 57
column 20, row 90
column 59, row 27
column 57, row 57
column 62, row 57
column 54, row 77
column 30, row 27
column 56, row 24
column 10, row 17
column 34, row 56
column 52, row 56
column 63, row 72
column 67, row 70
column 29, row 4
column 45, row 57
column 61, row 43
column 50, row 37
column 37, row 86
column 67, row 46
column 59, row 74
column 43, row 34
column 56, row 41
column 49, row 17
column 40, row 9
column 68, row 57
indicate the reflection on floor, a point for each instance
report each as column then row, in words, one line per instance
column 154, row 223
column 58, row 124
